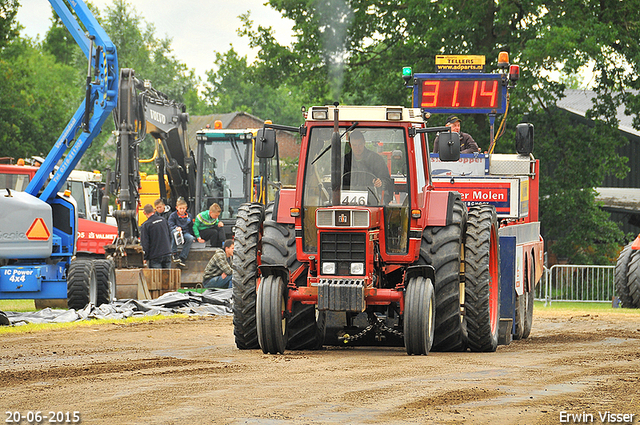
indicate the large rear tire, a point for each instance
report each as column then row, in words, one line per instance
column 271, row 318
column 482, row 278
column 633, row 278
column 81, row 284
column 441, row 248
column 419, row 316
column 305, row 325
column 106, row 281
column 245, row 272
column 621, row 277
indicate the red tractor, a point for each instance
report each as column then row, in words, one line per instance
column 364, row 250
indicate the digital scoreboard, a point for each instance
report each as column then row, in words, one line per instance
column 460, row 93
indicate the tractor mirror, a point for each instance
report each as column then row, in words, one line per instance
column 449, row 146
column 524, row 138
column 266, row 143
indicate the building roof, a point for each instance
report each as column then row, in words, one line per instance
column 619, row 199
column 198, row 122
column 580, row 101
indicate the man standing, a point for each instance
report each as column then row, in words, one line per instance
column 467, row 144
column 218, row 272
column 155, row 239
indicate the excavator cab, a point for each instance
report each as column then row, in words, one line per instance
column 230, row 171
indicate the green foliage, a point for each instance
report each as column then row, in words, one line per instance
column 8, row 25
column 37, row 97
column 234, row 87
column 371, row 42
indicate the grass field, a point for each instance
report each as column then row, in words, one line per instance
column 588, row 307
column 17, row 305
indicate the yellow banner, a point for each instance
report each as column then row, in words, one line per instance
column 460, row 63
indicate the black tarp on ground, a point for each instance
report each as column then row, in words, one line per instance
column 211, row 302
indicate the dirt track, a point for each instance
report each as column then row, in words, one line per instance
column 188, row 371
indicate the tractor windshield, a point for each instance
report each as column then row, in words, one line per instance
column 222, row 180
column 373, row 169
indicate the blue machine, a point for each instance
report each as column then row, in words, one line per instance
column 38, row 227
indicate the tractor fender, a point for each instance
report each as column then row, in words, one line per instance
column 279, row 270
column 426, row 271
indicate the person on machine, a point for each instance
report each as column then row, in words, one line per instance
column 467, row 144
column 363, row 168
column 208, row 227
column 181, row 224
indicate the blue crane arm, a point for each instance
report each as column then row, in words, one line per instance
column 101, row 98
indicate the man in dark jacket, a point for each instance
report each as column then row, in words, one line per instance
column 363, row 168
column 156, row 240
column 467, row 144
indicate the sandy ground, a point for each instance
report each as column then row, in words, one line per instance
column 188, row 371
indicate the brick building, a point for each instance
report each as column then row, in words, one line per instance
column 288, row 143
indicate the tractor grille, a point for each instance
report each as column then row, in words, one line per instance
column 342, row 249
column 342, row 246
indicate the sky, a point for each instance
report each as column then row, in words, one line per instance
column 198, row 28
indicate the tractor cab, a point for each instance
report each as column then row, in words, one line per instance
column 373, row 173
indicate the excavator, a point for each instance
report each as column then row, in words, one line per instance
column 143, row 110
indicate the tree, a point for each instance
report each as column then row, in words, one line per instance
column 233, row 87
column 8, row 25
column 36, row 99
column 543, row 37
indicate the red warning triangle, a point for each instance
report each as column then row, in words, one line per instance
column 38, row 231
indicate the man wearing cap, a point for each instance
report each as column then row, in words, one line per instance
column 467, row 144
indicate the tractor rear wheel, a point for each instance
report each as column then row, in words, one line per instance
column 305, row 325
column 482, row 278
column 81, row 284
column 245, row 272
column 106, row 281
column 441, row 248
column 419, row 316
column 271, row 319
column 633, row 277
column 621, row 278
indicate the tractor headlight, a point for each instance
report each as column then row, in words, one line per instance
column 357, row 268
column 328, row 268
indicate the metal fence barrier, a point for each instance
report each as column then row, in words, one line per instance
column 566, row 282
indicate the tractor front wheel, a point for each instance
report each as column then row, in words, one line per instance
column 271, row 320
column 306, row 326
column 419, row 316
